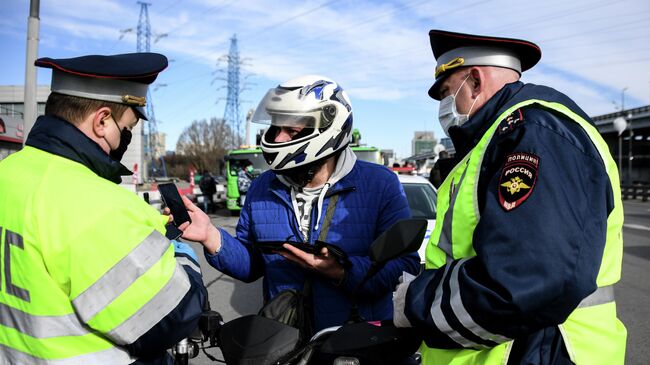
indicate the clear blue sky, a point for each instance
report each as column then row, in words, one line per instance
column 377, row 50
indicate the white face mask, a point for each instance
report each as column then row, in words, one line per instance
column 448, row 114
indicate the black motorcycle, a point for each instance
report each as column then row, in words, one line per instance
column 258, row 340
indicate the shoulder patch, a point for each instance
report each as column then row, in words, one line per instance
column 517, row 179
column 511, row 122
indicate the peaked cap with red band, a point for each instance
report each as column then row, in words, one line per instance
column 454, row 50
column 121, row 78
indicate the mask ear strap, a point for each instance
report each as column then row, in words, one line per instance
column 110, row 115
column 472, row 107
column 461, row 86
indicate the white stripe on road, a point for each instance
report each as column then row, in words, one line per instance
column 636, row 226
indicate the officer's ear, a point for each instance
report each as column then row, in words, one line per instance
column 476, row 80
column 100, row 120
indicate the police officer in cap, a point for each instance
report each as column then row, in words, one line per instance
column 527, row 246
column 90, row 277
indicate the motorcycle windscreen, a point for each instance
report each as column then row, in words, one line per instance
column 255, row 340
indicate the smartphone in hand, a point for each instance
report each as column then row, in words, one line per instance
column 172, row 199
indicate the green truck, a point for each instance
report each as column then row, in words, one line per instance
column 238, row 159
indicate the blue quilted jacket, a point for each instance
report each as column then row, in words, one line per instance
column 370, row 200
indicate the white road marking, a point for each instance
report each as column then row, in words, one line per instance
column 636, row 226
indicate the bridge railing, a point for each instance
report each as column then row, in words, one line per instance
column 634, row 191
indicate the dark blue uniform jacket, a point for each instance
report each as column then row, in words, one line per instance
column 536, row 262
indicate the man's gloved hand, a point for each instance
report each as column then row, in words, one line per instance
column 399, row 299
column 184, row 248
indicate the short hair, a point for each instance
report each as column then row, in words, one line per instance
column 75, row 109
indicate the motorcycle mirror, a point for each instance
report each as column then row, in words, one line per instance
column 403, row 237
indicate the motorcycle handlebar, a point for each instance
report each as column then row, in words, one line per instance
column 210, row 324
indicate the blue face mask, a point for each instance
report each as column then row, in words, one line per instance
column 448, row 114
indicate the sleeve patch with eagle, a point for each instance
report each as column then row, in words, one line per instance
column 517, row 179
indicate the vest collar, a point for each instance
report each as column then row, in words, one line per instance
column 59, row 137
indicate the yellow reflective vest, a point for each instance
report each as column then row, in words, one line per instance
column 86, row 267
column 592, row 333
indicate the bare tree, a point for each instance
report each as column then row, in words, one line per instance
column 205, row 143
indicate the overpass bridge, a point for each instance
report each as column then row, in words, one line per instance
column 631, row 149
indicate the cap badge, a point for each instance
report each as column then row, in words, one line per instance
column 456, row 62
column 134, row 100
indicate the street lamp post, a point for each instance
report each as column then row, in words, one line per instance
column 631, row 133
column 631, row 136
column 629, row 170
column 619, row 125
column 29, row 98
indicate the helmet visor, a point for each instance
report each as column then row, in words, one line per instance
column 289, row 108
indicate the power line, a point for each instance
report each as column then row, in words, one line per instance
column 591, row 31
column 293, row 17
column 375, row 18
column 573, row 23
column 362, row 22
column 608, row 61
column 591, row 44
column 259, row 31
column 174, row 3
column 204, row 13
column 554, row 16
column 573, row 11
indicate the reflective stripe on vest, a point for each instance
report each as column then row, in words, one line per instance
column 130, row 330
column 189, row 263
column 602, row 295
column 113, row 355
column 41, row 326
column 451, row 244
column 461, row 314
column 159, row 306
column 120, row 276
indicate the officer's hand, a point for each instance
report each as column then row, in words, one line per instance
column 201, row 229
column 322, row 263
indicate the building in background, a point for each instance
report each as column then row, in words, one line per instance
column 11, row 116
column 423, row 143
column 449, row 146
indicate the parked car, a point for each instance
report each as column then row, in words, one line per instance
column 422, row 199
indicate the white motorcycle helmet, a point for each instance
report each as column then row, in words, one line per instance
column 316, row 104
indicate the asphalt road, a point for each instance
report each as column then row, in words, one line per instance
column 233, row 298
column 633, row 291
